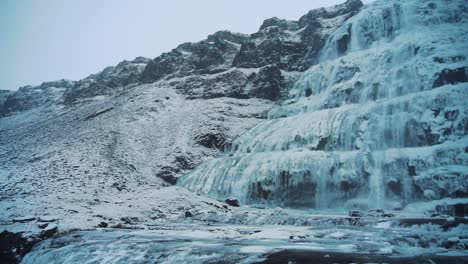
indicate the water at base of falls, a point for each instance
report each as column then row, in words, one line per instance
column 376, row 184
column 244, row 244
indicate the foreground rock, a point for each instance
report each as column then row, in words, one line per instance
column 14, row 246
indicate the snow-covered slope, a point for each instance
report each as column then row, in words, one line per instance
column 349, row 106
column 92, row 149
column 380, row 121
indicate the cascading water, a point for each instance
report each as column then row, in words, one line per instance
column 367, row 126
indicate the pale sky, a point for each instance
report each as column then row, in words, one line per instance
column 45, row 40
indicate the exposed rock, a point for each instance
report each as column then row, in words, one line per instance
column 110, row 81
column 14, row 246
column 24, row 219
column 232, row 202
column 29, row 97
column 215, row 54
column 188, row 214
column 103, row 224
column 42, row 225
column 355, row 214
column 49, row 230
column 129, row 220
column 451, row 76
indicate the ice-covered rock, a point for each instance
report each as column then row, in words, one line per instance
column 24, row 219
column 50, row 230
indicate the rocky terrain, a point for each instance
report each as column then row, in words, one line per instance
column 351, row 108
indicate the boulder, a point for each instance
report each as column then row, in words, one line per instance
column 232, row 202
column 188, row 214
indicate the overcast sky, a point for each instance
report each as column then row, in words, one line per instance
column 44, row 40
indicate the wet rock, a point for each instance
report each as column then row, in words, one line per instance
column 13, row 246
column 232, row 202
column 411, row 170
column 103, row 224
column 356, row 214
column 24, row 219
column 188, row 214
column 49, row 230
column 452, row 242
column 388, row 215
column 451, row 76
column 457, row 210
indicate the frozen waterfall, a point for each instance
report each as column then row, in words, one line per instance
column 368, row 125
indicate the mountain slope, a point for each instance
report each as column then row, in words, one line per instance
column 104, row 146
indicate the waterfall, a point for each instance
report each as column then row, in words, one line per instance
column 358, row 128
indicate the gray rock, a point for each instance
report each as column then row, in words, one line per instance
column 188, row 214
column 232, row 202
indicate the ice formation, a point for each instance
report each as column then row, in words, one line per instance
column 382, row 112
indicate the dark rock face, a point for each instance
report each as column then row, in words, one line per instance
column 181, row 162
column 292, row 45
column 107, row 82
column 278, row 45
column 103, row 224
column 215, row 54
column 212, row 139
column 457, row 210
column 188, row 214
column 13, row 247
column 451, row 76
column 268, row 83
column 232, row 202
column 229, row 83
column 29, row 97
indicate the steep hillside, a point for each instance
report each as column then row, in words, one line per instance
column 71, row 148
